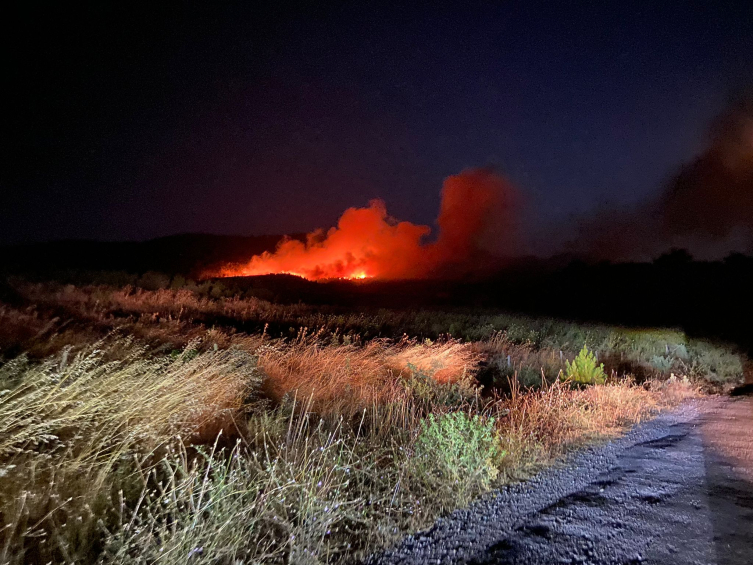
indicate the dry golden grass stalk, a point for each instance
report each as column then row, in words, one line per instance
column 68, row 424
column 345, row 379
column 540, row 426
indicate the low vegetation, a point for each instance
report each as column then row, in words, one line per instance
column 585, row 369
column 168, row 426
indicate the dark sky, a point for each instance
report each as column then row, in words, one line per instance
column 129, row 123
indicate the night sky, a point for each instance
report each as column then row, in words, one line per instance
column 126, row 123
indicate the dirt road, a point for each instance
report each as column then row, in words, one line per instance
column 675, row 490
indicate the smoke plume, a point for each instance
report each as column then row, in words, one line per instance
column 477, row 226
column 713, row 196
column 707, row 207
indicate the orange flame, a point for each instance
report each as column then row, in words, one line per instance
column 367, row 243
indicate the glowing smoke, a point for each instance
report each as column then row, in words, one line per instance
column 476, row 224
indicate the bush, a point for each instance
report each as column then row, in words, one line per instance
column 681, row 352
column 458, row 451
column 529, row 377
column 583, row 370
column 661, row 363
column 152, row 280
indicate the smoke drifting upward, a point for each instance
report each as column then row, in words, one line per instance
column 713, row 196
column 477, row 222
column 706, row 208
column 478, row 216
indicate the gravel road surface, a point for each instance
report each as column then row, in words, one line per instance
column 676, row 490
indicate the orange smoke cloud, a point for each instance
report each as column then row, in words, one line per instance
column 478, row 216
column 476, row 221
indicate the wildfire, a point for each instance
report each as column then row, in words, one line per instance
column 477, row 208
column 249, row 273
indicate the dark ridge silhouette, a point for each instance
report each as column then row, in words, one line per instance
column 184, row 254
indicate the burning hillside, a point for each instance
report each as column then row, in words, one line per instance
column 476, row 222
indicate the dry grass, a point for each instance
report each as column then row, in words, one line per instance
column 540, row 426
column 94, row 301
column 69, row 423
column 87, row 446
column 109, row 448
column 346, row 379
column 531, row 344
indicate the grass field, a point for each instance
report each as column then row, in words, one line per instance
column 182, row 426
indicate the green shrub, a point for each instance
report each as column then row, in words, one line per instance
column 458, row 452
column 714, row 364
column 681, row 352
column 523, row 334
column 661, row 363
column 584, row 369
column 476, row 332
column 152, row 280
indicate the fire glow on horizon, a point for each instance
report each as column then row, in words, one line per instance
column 476, row 220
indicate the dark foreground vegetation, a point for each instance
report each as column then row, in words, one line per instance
column 171, row 421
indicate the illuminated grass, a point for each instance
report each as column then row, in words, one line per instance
column 188, row 444
column 72, row 426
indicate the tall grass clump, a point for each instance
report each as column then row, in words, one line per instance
column 73, row 426
column 295, row 498
column 345, row 379
column 298, row 489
